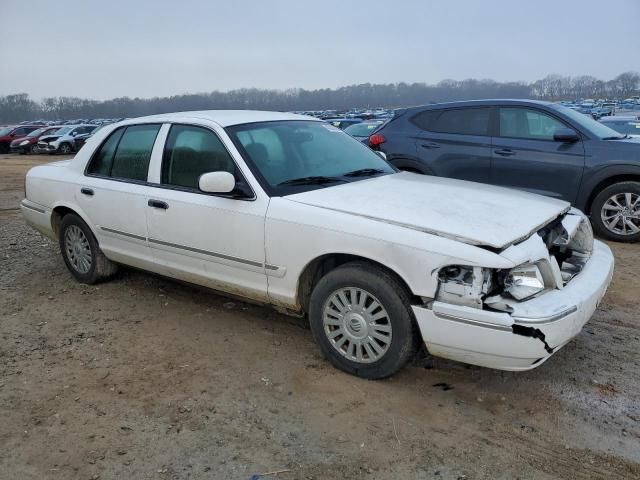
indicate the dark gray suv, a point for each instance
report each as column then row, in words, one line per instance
column 541, row 147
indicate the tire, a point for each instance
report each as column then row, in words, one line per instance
column 621, row 200
column 77, row 243
column 361, row 281
column 65, row 149
column 33, row 150
column 4, row 148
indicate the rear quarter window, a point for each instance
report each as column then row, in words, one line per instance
column 460, row 121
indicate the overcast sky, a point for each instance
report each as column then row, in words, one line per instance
column 102, row 49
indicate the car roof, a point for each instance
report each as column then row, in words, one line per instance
column 476, row 103
column 224, row 118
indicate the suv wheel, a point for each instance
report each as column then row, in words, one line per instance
column 65, row 149
column 81, row 252
column 360, row 316
column 615, row 212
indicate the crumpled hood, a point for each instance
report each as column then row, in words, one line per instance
column 49, row 138
column 470, row 212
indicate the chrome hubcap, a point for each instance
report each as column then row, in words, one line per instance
column 77, row 248
column 621, row 213
column 357, row 325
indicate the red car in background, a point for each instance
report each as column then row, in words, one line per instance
column 9, row 134
column 29, row 144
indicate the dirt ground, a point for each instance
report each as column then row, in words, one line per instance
column 145, row 378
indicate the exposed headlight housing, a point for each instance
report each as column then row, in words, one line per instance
column 464, row 285
column 524, row 282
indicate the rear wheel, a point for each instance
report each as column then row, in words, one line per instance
column 81, row 252
column 615, row 212
column 360, row 316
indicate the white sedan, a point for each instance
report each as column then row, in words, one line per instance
column 290, row 211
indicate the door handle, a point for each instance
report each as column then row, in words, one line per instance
column 86, row 191
column 430, row 145
column 158, row 204
column 505, row 152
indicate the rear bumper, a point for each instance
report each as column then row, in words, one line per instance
column 38, row 217
column 523, row 339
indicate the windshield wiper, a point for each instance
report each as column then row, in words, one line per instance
column 615, row 138
column 314, row 180
column 364, row 172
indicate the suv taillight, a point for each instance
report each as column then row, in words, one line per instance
column 376, row 140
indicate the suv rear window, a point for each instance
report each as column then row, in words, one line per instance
column 461, row 121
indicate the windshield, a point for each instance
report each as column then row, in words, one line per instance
column 362, row 129
column 296, row 156
column 62, row 131
column 5, row 130
column 37, row 132
column 589, row 124
column 626, row 127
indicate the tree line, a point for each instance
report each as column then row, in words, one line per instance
column 18, row 107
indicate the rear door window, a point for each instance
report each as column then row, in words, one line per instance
column 460, row 121
column 131, row 160
column 126, row 153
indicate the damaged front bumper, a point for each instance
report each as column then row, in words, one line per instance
column 525, row 337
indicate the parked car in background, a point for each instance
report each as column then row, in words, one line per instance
column 63, row 140
column 9, row 134
column 541, row 147
column 343, row 123
column 624, row 124
column 29, row 144
column 292, row 212
column 80, row 139
column 362, row 130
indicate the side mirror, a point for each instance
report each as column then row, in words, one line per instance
column 217, row 182
column 382, row 154
column 566, row 135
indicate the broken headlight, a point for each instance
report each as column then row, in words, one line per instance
column 464, row 285
column 524, row 282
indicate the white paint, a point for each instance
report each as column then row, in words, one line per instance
column 412, row 224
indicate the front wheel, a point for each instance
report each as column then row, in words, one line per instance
column 615, row 212
column 65, row 149
column 81, row 252
column 360, row 316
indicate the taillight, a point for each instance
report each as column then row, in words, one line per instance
column 376, row 140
